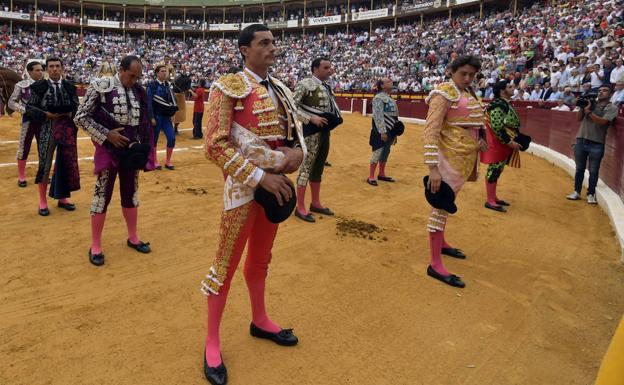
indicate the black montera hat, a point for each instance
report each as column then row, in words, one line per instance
column 444, row 199
column 274, row 212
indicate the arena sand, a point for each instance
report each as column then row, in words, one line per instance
column 544, row 288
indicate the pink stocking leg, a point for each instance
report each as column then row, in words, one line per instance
column 490, row 188
column 316, row 194
column 43, row 201
column 371, row 174
column 435, row 243
column 21, row 170
column 301, row 190
column 131, row 216
column 382, row 168
column 169, row 152
column 97, row 227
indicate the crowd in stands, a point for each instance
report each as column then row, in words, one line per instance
column 553, row 53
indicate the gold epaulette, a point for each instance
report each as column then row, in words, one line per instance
column 448, row 90
column 236, row 86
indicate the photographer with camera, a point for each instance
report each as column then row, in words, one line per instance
column 596, row 115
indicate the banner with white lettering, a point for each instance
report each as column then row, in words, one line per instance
column 224, row 27
column 325, row 20
column 102, row 23
column 293, row 23
column 15, row 15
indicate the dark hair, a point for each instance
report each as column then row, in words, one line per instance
column 31, row 66
column 127, row 61
column 316, row 63
column 233, row 70
column 54, row 58
column 607, row 87
column 499, row 86
column 158, row 67
column 463, row 60
column 379, row 85
column 247, row 35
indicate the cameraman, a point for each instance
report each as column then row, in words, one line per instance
column 595, row 117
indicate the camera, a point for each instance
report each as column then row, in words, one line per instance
column 587, row 100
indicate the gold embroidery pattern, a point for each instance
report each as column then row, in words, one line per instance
column 232, row 223
column 437, row 220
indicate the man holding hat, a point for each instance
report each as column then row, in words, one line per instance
column 115, row 115
column 254, row 137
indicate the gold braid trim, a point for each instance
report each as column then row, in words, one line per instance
column 448, row 90
column 236, row 86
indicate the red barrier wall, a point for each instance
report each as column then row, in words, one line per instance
column 553, row 129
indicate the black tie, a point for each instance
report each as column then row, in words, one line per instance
column 265, row 84
column 57, row 92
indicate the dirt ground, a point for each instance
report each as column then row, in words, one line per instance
column 544, row 286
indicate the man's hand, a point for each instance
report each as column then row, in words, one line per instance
column 117, row 139
column 435, row 179
column 292, row 160
column 587, row 110
column 483, row 145
column 279, row 185
column 318, row 121
column 515, row 145
column 153, row 121
column 384, row 137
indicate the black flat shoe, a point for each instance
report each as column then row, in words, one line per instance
column 96, row 259
column 284, row 337
column 386, row 178
column 453, row 252
column 22, row 183
column 170, row 167
column 44, row 212
column 216, row 376
column 451, row 279
column 327, row 164
column 307, row 218
column 140, row 247
column 502, row 203
column 500, row 209
column 67, row 206
column 371, row 182
column 324, row 211
column 158, row 167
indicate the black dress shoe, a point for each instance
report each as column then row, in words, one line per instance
column 159, row 167
column 216, row 376
column 284, row 337
column 96, row 259
column 500, row 209
column 324, row 211
column 169, row 167
column 22, row 183
column 67, row 206
column 44, row 212
column 327, row 164
column 453, row 252
column 502, row 203
column 140, row 247
column 385, row 178
column 308, row 218
column 371, row 182
column 450, row 279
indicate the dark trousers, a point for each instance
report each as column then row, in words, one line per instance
column 588, row 154
column 197, row 124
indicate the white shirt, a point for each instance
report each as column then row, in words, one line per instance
column 554, row 78
column 562, row 107
column 269, row 88
column 595, row 80
column 616, row 74
column 617, row 97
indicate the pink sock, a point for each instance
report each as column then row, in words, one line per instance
column 301, row 190
column 169, row 152
column 258, row 310
column 435, row 243
column 316, row 194
column 155, row 150
column 371, row 174
column 382, row 168
column 216, row 305
column 97, row 227
column 21, row 170
column 64, row 201
column 43, row 201
column 445, row 245
column 131, row 215
column 490, row 188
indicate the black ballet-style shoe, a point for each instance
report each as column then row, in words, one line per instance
column 500, row 209
column 159, row 167
column 385, row 178
column 502, row 203
column 96, row 259
column 67, row 206
column 22, row 183
column 324, row 211
column 453, row 252
column 308, row 217
column 141, row 247
column 284, row 337
column 327, row 164
column 451, row 279
column 216, row 376
column 371, row 182
column 170, row 167
column 44, row 212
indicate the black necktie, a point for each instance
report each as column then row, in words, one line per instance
column 57, row 92
column 265, row 84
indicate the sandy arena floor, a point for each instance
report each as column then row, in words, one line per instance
column 544, row 288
